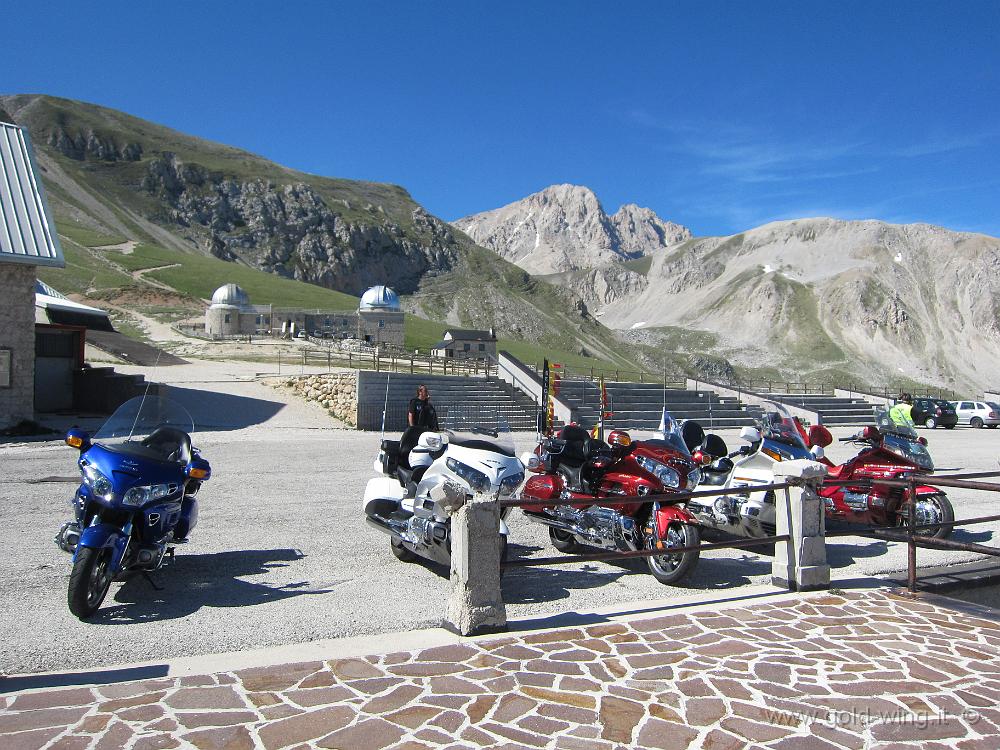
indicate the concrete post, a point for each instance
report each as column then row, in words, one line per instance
column 800, row 563
column 476, row 605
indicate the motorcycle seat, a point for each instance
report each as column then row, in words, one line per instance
column 169, row 444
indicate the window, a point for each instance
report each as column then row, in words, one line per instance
column 227, row 318
column 465, row 347
column 5, row 355
column 966, row 405
column 482, row 347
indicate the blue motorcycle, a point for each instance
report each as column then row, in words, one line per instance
column 137, row 499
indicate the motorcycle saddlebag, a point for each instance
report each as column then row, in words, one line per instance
column 390, row 457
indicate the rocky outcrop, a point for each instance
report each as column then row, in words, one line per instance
column 290, row 230
column 91, row 144
column 564, row 228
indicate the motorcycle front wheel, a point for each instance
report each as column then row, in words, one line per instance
column 669, row 569
column 90, row 580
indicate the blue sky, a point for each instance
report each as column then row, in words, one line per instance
column 718, row 115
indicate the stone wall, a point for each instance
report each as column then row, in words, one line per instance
column 337, row 393
column 17, row 335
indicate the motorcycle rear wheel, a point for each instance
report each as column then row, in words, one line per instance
column 942, row 511
column 401, row 551
column 89, row 582
column 669, row 569
column 564, row 541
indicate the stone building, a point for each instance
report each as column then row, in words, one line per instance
column 28, row 240
column 378, row 319
column 466, row 344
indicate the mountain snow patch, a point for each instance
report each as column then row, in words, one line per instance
column 639, row 325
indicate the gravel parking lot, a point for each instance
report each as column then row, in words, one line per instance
column 282, row 555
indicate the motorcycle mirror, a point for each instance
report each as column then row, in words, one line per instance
column 870, row 433
column 692, row 434
column 750, row 434
column 715, row 446
column 531, row 461
column 922, row 440
column 820, row 436
column 818, row 452
column 199, row 468
column 78, row 439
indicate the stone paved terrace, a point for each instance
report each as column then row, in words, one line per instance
column 868, row 669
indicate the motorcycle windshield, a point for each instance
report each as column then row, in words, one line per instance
column 779, row 425
column 910, row 449
column 494, row 436
column 670, row 435
column 138, row 418
column 885, row 424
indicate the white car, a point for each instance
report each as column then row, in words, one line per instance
column 977, row 413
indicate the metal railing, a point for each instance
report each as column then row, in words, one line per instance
column 908, row 534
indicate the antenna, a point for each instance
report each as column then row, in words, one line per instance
column 142, row 403
column 385, row 405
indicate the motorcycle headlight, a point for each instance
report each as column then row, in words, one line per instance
column 142, row 495
column 668, row 477
column 694, row 478
column 98, row 483
column 477, row 480
column 511, row 482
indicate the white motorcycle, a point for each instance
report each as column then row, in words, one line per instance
column 776, row 438
column 414, row 498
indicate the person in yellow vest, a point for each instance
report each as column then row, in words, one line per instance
column 900, row 413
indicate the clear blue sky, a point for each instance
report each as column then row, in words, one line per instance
column 718, row 115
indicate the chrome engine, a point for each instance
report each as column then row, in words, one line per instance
column 750, row 514
column 600, row 527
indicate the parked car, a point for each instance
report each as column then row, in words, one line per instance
column 977, row 413
column 931, row 412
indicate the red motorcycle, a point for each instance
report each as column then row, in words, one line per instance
column 573, row 469
column 889, row 451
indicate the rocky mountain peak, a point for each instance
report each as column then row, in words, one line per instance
column 565, row 228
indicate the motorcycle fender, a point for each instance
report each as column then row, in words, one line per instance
column 669, row 514
column 104, row 535
column 926, row 489
column 383, row 488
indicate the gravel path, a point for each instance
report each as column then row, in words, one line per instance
column 281, row 553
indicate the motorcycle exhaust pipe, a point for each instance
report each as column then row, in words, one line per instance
column 68, row 537
column 553, row 522
column 384, row 524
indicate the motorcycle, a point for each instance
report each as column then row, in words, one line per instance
column 137, row 498
column 409, row 500
column 776, row 438
column 573, row 469
column 889, row 451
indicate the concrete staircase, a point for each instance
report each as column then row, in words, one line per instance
column 833, row 410
column 460, row 401
column 639, row 406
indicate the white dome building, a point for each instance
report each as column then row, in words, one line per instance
column 223, row 316
column 380, row 317
column 231, row 295
column 380, row 298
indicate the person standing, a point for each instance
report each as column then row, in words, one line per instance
column 421, row 412
column 900, row 413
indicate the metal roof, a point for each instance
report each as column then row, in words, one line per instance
column 27, row 231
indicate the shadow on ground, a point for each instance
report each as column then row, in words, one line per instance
column 195, row 581
column 218, row 412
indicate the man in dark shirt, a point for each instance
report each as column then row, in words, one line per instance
column 421, row 412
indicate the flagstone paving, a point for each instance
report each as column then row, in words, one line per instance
column 868, row 669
